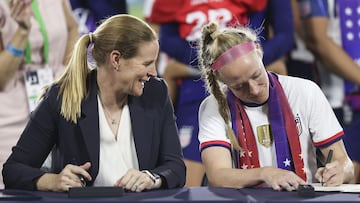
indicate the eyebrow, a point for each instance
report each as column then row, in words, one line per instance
column 148, row 62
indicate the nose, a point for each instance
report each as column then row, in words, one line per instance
column 152, row 71
column 254, row 88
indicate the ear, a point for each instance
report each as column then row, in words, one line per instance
column 259, row 50
column 115, row 59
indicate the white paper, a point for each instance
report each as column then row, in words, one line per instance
column 355, row 188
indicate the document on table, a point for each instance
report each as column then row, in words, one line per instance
column 355, row 188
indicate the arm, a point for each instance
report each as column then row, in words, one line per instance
column 278, row 43
column 10, row 63
column 65, row 180
column 216, row 157
column 23, row 166
column 340, row 170
column 297, row 21
column 327, row 52
column 184, row 52
column 171, row 165
column 72, row 27
column 217, row 161
column 22, row 169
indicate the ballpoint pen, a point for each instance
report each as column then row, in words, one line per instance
column 328, row 160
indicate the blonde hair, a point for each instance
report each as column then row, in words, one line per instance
column 213, row 43
column 120, row 32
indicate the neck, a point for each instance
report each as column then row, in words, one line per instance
column 110, row 97
column 112, row 101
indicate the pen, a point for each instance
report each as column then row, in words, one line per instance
column 328, row 160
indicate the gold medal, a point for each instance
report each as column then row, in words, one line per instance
column 264, row 135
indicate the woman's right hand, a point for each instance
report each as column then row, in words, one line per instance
column 69, row 177
column 21, row 12
column 280, row 179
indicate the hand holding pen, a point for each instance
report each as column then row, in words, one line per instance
column 80, row 174
column 332, row 173
column 66, row 179
column 328, row 160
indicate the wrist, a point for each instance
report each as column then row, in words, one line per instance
column 46, row 182
column 155, row 178
column 15, row 51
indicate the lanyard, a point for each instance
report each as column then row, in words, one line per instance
column 43, row 31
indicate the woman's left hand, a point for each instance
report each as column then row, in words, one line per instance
column 135, row 181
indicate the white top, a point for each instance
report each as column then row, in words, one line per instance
column 116, row 156
column 315, row 121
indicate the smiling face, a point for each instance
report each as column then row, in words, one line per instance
column 246, row 78
column 134, row 72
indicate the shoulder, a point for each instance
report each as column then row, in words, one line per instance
column 297, row 84
column 209, row 104
column 155, row 90
column 52, row 95
column 301, row 91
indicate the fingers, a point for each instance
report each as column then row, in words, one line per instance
column 21, row 12
column 318, row 174
column 84, row 172
column 16, row 8
column 135, row 181
column 280, row 179
column 286, row 185
column 74, row 176
column 331, row 175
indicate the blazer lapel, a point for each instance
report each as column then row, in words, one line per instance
column 89, row 124
column 142, row 131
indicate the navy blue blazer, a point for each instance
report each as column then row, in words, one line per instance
column 154, row 130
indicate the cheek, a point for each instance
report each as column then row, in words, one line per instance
column 262, row 81
column 238, row 93
column 140, row 71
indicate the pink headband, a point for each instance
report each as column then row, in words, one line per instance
column 232, row 54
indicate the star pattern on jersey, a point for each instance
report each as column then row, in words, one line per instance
column 244, row 166
column 242, row 154
column 287, row 162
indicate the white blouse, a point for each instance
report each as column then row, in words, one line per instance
column 116, row 156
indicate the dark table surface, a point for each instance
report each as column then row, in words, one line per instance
column 189, row 194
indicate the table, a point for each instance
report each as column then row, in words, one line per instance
column 197, row 194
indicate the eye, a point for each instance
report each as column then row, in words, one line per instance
column 256, row 76
column 238, row 87
column 147, row 64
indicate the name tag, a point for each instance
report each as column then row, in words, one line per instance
column 34, row 82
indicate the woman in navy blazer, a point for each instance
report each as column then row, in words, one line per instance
column 112, row 125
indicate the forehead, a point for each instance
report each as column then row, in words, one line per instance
column 242, row 68
column 148, row 48
column 147, row 53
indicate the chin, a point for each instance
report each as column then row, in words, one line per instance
column 258, row 101
column 138, row 93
